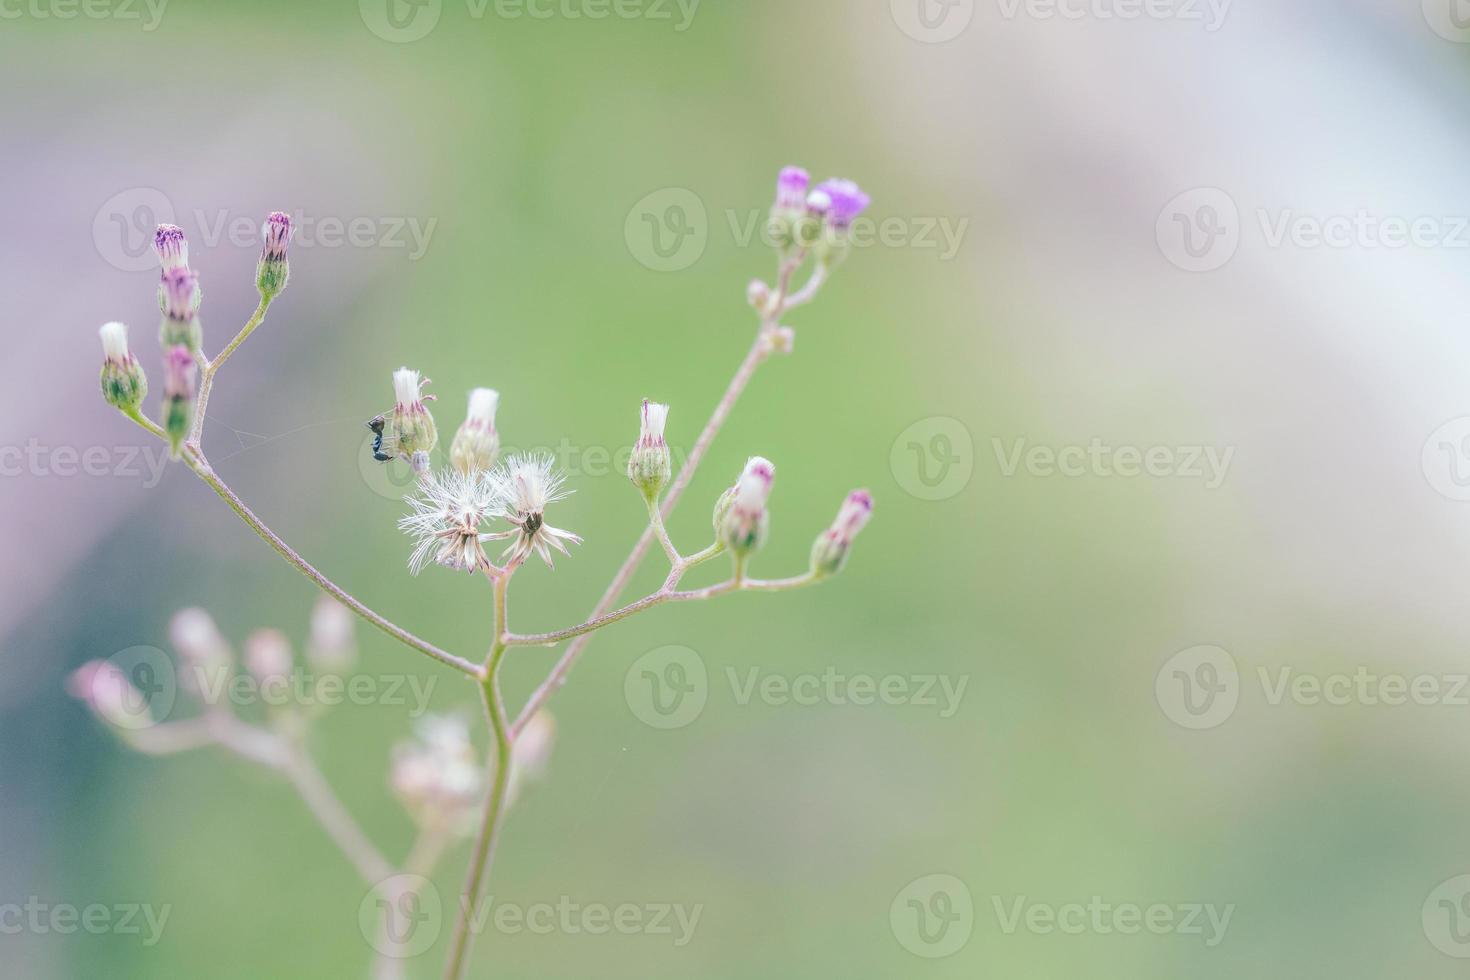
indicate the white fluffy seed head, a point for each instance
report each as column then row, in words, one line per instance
column 114, row 341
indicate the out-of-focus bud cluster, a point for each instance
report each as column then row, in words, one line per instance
column 272, row 271
column 741, row 519
column 476, row 444
column 332, row 647
column 203, row 650
column 819, row 219
column 436, row 777
column 829, row 551
column 107, row 691
column 124, row 384
column 650, row 465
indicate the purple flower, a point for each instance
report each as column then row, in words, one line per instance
column 277, row 235
column 791, row 188
column 848, row 200
column 172, row 247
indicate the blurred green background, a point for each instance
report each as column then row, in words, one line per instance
column 534, row 151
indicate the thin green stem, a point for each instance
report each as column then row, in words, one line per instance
column 211, row 368
column 656, row 521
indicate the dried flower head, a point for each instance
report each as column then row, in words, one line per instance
column 829, row 551
column 446, row 519
column 526, row 485
column 476, row 444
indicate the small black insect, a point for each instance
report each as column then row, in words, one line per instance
column 377, row 424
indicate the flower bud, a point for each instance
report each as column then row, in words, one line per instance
column 123, row 382
column 178, row 298
column 435, row 775
column 272, row 271
column 172, row 247
column 808, row 225
column 758, row 295
column 412, row 423
column 649, row 467
column 268, row 656
column 476, row 444
column 180, row 373
column 203, row 650
column 791, row 188
column 742, row 526
column 829, row 551
column 847, row 202
column 105, row 689
column 333, row 644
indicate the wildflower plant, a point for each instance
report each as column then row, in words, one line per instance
column 479, row 515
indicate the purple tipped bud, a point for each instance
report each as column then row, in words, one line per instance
column 172, row 247
column 180, row 373
column 741, row 513
column 791, row 188
column 178, row 298
column 272, row 272
column 829, row 551
column 847, row 201
column 123, row 383
column 650, row 465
